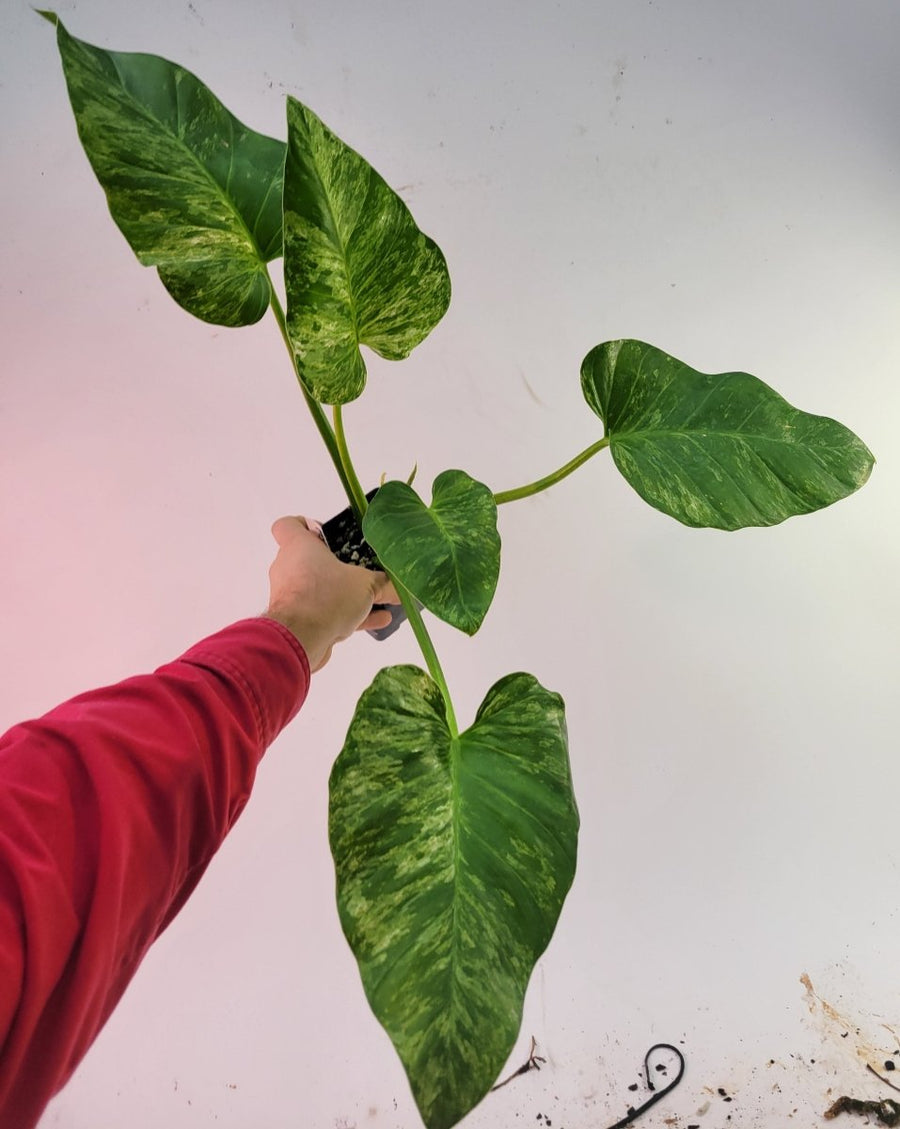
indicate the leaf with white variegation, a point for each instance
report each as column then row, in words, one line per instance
column 453, row 857
column 196, row 193
column 447, row 554
column 357, row 269
column 721, row 450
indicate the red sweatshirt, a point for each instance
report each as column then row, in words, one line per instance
column 111, row 807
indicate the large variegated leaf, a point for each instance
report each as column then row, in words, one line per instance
column 447, row 554
column 453, row 858
column 357, row 270
column 196, row 193
column 720, row 450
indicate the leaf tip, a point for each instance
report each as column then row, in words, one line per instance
column 50, row 17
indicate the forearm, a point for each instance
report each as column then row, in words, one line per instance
column 111, row 807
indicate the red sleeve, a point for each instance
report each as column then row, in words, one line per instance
column 111, row 807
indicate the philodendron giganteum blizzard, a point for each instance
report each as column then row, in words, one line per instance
column 454, row 848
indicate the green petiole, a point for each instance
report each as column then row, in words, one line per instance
column 406, row 598
column 336, row 442
column 358, row 500
column 315, row 408
column 551, row 479
column 427, row 647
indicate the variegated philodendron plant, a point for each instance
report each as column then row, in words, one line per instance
column 454, row 851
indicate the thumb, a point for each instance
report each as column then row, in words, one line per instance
column 285, row 529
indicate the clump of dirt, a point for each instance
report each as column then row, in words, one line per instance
column 887, row 1111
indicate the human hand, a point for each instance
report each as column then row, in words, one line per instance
column 319, row 598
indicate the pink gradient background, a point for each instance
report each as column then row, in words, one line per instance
column 719, row 179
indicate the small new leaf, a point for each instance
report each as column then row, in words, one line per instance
column 724, row 450
column 446, row 554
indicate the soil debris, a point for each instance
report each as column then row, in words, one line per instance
column 887, row 1111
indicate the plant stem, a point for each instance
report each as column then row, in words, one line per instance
column 406, row 598
column 551, row 479
column 358, row 493
column 315, row 408
column 336, row 442
column 427, row 647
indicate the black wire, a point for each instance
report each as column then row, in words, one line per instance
column 634, row 1114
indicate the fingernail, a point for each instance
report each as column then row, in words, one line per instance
column 315, row 527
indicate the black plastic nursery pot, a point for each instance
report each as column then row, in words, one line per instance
column 344, row 537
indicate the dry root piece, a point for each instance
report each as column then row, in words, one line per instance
column 887, row 1111
column 533, row 1063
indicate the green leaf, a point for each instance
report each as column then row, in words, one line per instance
column 720, row 450
column 357, row 270
column 196, row 193
column 453, row 858
column 447, row 554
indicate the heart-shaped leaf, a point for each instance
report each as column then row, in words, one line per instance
column 447, row 554
column 357, row 270
column 720, row 450
column 453, row 858
column 196, row 193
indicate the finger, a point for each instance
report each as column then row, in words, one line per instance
column 385, row 592
column 287, row 528
column 376, row 620
column 316, row 527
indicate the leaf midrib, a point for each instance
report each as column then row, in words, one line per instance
column 691, row 432
column 338, row 240
column 144, row 112
column 454, row 557
column 456, row 801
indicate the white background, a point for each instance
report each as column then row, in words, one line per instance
column 720, row 179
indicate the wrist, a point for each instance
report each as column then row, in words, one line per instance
column 284, row 620
column 303, row 632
